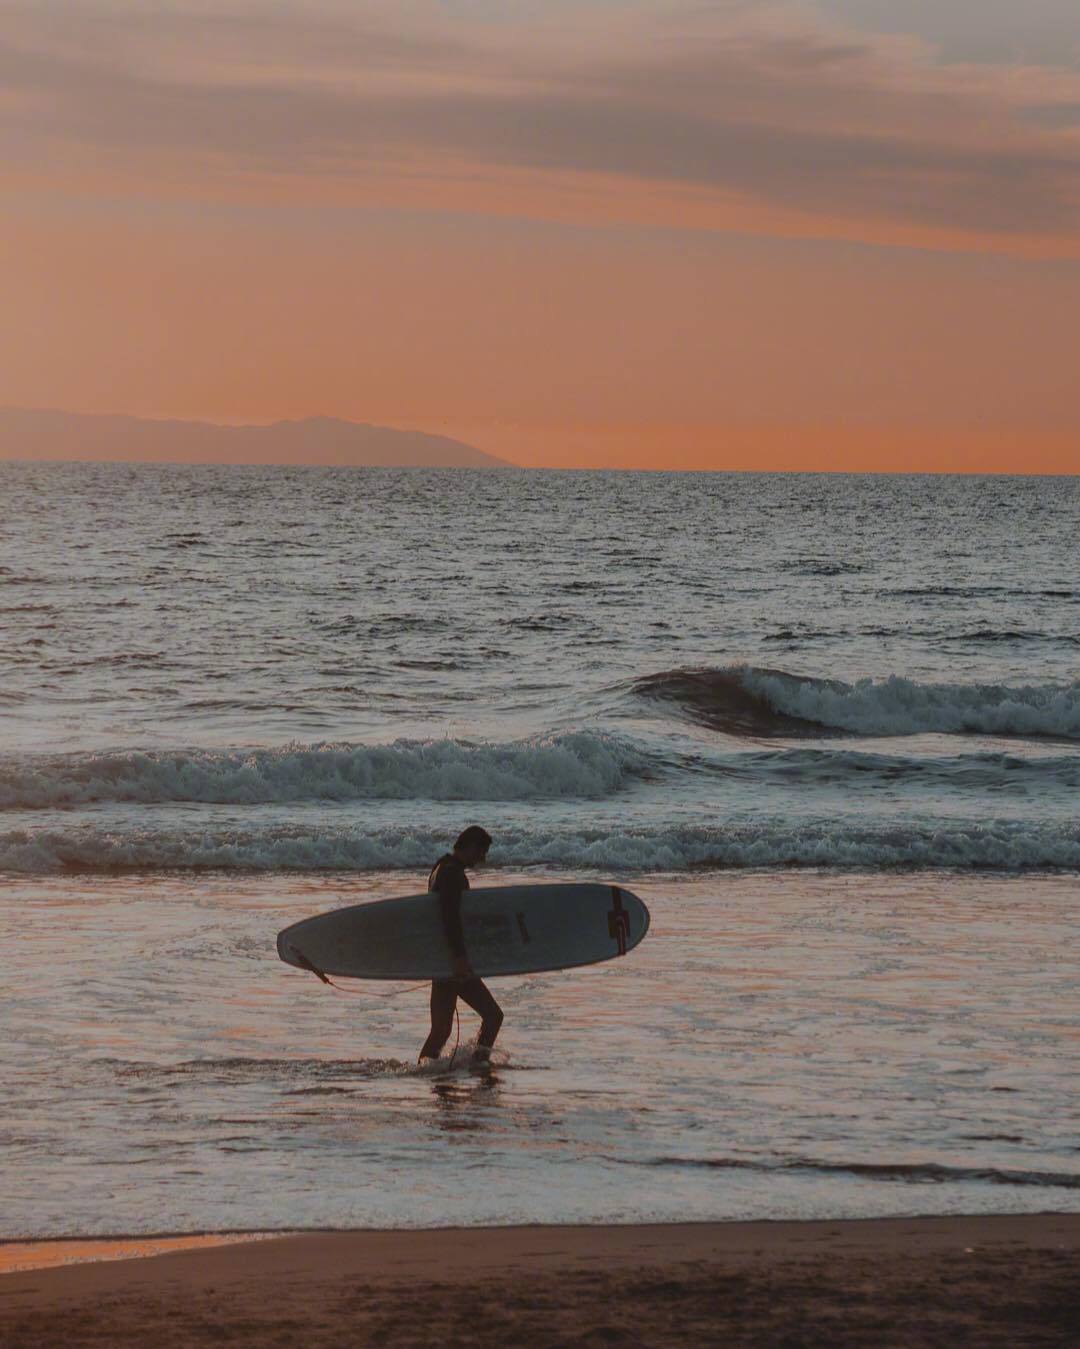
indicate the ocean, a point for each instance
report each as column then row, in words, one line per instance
column 826, row 726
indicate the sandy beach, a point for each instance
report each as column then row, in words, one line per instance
column 908, row 1281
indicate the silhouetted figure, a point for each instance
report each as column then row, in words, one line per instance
column 449, row 882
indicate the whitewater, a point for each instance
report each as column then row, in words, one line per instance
column 828, row 726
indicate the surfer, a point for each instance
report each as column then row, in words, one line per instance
column 449, row 881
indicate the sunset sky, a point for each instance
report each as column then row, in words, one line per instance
column 842, row 234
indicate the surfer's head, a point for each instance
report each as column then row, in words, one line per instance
column 472, row 845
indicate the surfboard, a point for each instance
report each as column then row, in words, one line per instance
column 509, row 929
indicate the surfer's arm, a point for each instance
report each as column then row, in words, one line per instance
column 449, row 890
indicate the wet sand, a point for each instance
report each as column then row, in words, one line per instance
column 1010, row 1280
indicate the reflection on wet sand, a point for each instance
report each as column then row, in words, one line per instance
column 19, row 1255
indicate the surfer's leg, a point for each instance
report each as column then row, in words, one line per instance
column 443, row 1001
column 478, row 996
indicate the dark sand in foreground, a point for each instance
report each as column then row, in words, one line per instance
column 905, row 1281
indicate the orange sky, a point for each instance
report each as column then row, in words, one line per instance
column 638, row 235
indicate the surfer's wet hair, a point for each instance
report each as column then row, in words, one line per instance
column 474, row 837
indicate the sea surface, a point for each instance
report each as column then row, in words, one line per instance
column 826, row 726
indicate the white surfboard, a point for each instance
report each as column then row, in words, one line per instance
column 509, row 929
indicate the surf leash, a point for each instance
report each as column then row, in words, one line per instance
column 356, row 992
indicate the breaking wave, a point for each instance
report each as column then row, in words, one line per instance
column 747, row 700
column 575, row 764
column 989, row 846
column 582, row 764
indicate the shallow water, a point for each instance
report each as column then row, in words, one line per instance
column 780, row 1046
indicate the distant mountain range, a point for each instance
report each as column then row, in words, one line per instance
column 49, row 434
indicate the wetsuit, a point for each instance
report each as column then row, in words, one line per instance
column 449, row 882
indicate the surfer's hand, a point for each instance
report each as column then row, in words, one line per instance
column 462, row 968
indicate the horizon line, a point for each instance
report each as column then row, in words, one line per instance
column 550, row 468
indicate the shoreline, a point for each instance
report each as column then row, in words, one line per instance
column 983, row 1280
column 238, row 1235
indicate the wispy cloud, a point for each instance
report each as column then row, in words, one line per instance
column 761, row 106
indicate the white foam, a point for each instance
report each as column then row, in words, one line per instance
column 898, row 706
column 573, row 764
column 995, row 845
